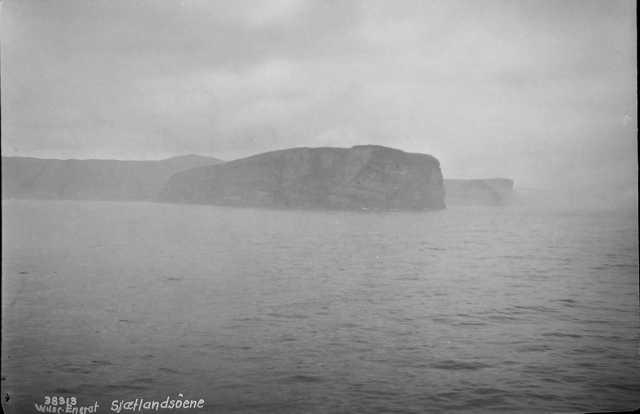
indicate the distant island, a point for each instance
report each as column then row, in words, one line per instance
column 361, row 177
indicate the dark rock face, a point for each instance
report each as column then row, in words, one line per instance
column 362, row 177
column 91, row 179
column 492, row 191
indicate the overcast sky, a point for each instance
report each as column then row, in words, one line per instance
column 540, row 91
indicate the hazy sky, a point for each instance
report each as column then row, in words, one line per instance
column 540, row 91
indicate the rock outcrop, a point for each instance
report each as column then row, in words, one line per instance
column 362, row 177
column 491, row 191
column 91, row 179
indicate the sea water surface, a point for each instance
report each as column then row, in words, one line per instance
column 263, row 311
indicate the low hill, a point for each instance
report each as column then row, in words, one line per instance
column 24, row 177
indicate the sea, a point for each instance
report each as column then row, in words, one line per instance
column 468, row 309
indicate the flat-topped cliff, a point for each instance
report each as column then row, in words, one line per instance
column 24, row 177
column 361, row 177
column 490, row 191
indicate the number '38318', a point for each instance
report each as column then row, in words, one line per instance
column 59, row 400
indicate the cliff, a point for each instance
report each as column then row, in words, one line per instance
column 362, row 177
column 91, row 179
column 492, row 191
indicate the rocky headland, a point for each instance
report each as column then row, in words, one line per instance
column 361, row 177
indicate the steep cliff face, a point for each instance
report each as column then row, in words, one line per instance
column 362, row 177
column 491, row 191
column 91, row 179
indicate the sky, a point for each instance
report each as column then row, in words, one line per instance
column 541, row 91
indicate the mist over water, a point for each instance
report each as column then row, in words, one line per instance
column 467, row 309
column 611, row 200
